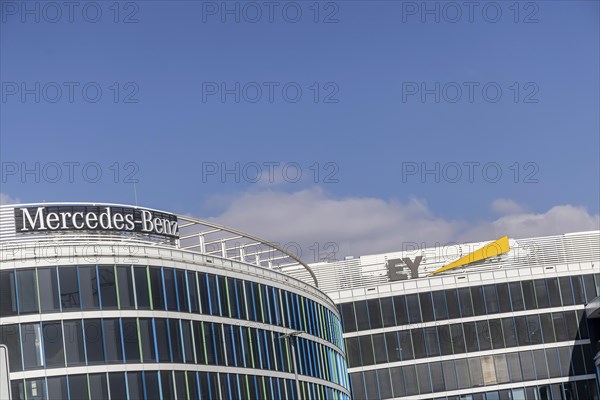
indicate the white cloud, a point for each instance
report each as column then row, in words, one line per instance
column 6, row 199
column 361, row 226
column 507, row 207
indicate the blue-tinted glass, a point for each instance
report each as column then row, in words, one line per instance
column 108, row 287
column 8, row 300
column 126, row 293
column 88, row 286
column 141, row 287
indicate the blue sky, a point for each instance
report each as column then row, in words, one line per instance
column 360, row 120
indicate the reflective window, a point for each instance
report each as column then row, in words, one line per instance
column 140, row 275
column 393, row 348
column 566, row 293
column 501, row 368
column 379, row 348
column 118, row 388
column 414, row 310
column 452, row 302
column 156, row 288
column 362, row 315
column 529, row 295
column 49, row 295
column 146, row 337
column 27, row 290
column 93, row 341
column 8, row 300
column 170, row 289
column 516, row 296
column 496, row 333
column 387, row 311
column 560, row 329
column 466, row 305
column 424, row 378
column 535, row 331
column 510, row 334
column 74, row 347
column 541, row 293
column 539, row 359
column 491, row 299
column 553, row 292
column 578, row 291
column 503, row 297
column 31, row 343
column 108, row 286
column 57, row 387
column 478, row 300
column 458, row 338
column 374, row 313
column 439, row 305
column 112, row 340
column 400, row 309
column 53, row 344
column 98, row 387
column 426, row 306
column 162, row 340
column 475, row 371
column 88, row 287
column 69, row 288
column 9, row 336
column 484, row 336
column 131, row 342
column 78, row 385
column 547, row 328
column 470, row 332
column 193, row 292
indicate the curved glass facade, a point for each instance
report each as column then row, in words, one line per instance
column 160, row 327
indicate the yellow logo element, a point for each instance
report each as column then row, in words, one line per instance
column 493, row 249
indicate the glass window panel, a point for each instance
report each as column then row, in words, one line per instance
column 501, row 368
column 385, row 384
column 452, row 303
column 131, row 340
column 535, row 330
column 470, row 332
column 27, row 290
column 387, row 311
column 347, row 312
column 88, row 286
column 9, row 336
column 188, row 347
column 175, row 340
column 553, row 363
column 484, row 335
column 466, row 305
column 418, row 339
column 353, row 352
column 572, row 324
column 135, row 385
column 560, row 329
column 180, row 384
column 162, row 340
column 126, row 293
column 578, row 290
column 182, row 295
column 362, row 315
column 566, row 293
column 541, row 293
column 431, row 341
column 78, row 386
column 478, row 300
column 224, row 304
column 8, row 300
column 152, row 385
column 35, row 389
column 462, row 373
column 475, row 371
column 582, row 322
column 547, row 328
column 510, row 335
column 491, row 299
column 166, row 382
column 31, row 343
column 516, row 296
column 577, row 361
column 98, row 387
column 116, row 381
column 527, row 366
column 112, row 340
column 439, row 305
column 496, row 333
column 69, row 288
column 410, row 377
column 529, row 295
column 374, row 313
column 564, row 354
column 141, row 287
column 522, row 330
column 397, row 382
column 590, row 287
column 449, row 375
column 366, row 350
column 458, row 338
column 437, row 376
column 156, row 288
column 445, row 339
column 426, row 306
column 400, row 309
column 74, row 347
column 57, row 388
column 541, row 369
column 170, row 289
column 108, row 287
column 488, row 369
column 192, row 288
column 414, row 312
column 393, row 348
column 146, row 337
column 371, row 386
column 49, row 295
column 553, row 292
column 503, row 297
column 53, row 344
column 405, row 340
column 424, row 378
column 514, row 367
column 205, row 295
column 93, row 341
column 379, row 347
